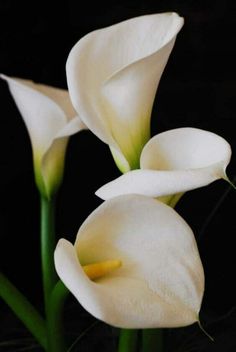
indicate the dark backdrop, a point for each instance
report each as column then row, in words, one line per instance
column 198, row 89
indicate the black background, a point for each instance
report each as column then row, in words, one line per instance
column 198, row 89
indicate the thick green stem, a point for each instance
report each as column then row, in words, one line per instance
column 23, row 310
column 152, row 340
column 128, row 340
column 55, row 319
column 52, row 308
column 47, row 248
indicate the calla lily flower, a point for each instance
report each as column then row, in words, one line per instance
column 50, row 119
column 113, row 74
column 174, row 162
column 158, row 280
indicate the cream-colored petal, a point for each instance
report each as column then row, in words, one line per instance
column 49, row 118
column 186, row 148
column 42, row 116
column 49, row 168
column 52, row 163
column 120, row 160
column 59, row 96
column 173, row 162
column 161, row 280
column 154, row 183
column 52, row 166
column 113, row 74
column 73, row 126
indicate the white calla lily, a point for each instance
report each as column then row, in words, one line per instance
column 174, row 162
column 50, row 119
column 160, row 281
column 113, row 74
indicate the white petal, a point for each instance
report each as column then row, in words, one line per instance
column 173, row 162
column 49, row 118
column 113, row 74
column 157, row 183
column 120, row 160
column 52, row 163
column 161, row 280
column 42, row 116
column 73, row 126
column 59, row 96
column 184, row 149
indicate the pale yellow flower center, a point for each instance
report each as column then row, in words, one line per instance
column 97, row 270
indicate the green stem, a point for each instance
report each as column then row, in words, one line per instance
column 23, row 310
column 232, row 183
column 52, row 308
column 152, row 340
column 47, row 248
column 55, row 321
column 128, row 340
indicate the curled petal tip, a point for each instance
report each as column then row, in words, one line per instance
column 173, row 162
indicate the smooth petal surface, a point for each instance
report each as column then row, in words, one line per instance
column 43, row 117
column 113, row 74
column 185, row 148
column 173, row 162
column 50, row 118
column 161, row 280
